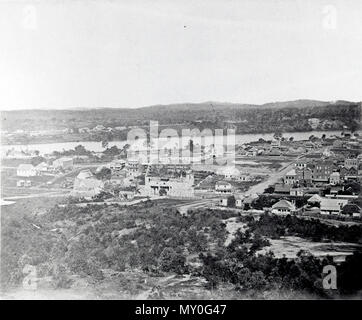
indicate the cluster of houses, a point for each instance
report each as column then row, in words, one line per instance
column 327, row 171
column 320, row 176
column 171, row 180
column 345, row 145
column 13, row 153
column 29, row 170
column 326, row 163
column 311, row 178
column 327, row 206
column 100, row 129
column 35, row 133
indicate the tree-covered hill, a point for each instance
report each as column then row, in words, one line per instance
column 245, row 118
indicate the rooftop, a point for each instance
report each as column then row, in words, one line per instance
column 85, row 174
column 284, row 204
column 223, row 183
column 291, row 173
column 25, row 166
column 315, row 198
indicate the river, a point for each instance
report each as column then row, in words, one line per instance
column 96, row 146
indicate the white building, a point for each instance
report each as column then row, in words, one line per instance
column 127, row 193
column 223, row 187
column 301, row 164
column 23, row 183
column 351, row 163
column 313, row 122
column 283, row 207
column 239, row 201
column 223, row 202
column 117, row 165
column 133, row 167
column 315, row 199
column 334, row 178
column 42, row 167
column 64, row 163
column 290, row 177
column 26, row 170
column 84, row 130
column 169, row 181
column 296, row 192
column 231, row 173
column 332, row 206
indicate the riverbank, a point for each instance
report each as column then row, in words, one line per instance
column 75, row 137
column 96, row 146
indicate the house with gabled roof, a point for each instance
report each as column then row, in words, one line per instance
column 283, row 207
column 85, row 185
column 290, row 177
column 223, row 187
column 332, row 206
column 26, row 170
column 315, row 199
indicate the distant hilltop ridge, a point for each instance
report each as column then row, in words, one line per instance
column 300, row 103
column 289, row 116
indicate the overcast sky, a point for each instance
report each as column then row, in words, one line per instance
column 136, row 53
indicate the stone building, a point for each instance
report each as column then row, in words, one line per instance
column 133, row 167
column 26, row 170
column 169, row 180
column 64, row 163
column 223, row 187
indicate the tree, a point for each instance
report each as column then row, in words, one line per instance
column 270, row 189
column 104, row 174
column 169, row 260
column 104, row 144
column 113, row 151
column 37, row 160
column 349, row 209
column 80, row 150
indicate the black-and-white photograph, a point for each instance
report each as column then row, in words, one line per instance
column 181, row 150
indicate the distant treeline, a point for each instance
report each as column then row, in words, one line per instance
column 286, row 116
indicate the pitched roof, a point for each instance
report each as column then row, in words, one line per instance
column 64, row 159
column 223, row 183
column 315, row 198
column 291, row 173
column 42, row 165
column 284, row 204
column 352, row 206
column 239, row 196
column 282, row 188
column 25, row 166
column 85, row 174
column 332, row 204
